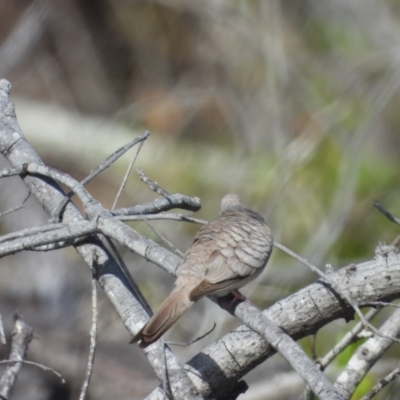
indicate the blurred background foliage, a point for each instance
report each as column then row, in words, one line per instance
column 292, row 105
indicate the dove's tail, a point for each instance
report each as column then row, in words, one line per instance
column 174, row 306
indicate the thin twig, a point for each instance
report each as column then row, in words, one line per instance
column 173, row 217
column 126, row 175
column 114, row 157
column 396, row 241
column 152, row 184
column 128, row 276
column 313, row 350
column 381, row 384
column 11, row 210
column 2, row 334
column 347, row 339
column 41, row 366
column 386, row 213
column 163, row 238
column 166, row 382
column 383, row 304
column 93, row 337
column 100, row 168
column 193, row 341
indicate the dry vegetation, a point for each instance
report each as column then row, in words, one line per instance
column 292, row 106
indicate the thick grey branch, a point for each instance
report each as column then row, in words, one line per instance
column 52, row 173
column 223, row 363
column 60, row 237
column 289, row 349
column 113, row 281
column 258, row 322
column 299, row 315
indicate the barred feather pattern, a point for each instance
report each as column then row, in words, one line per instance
column 226, row 253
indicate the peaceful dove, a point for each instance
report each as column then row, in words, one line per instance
column 226, row 253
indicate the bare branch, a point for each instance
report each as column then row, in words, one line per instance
column 300, row 315
column 292, row 353
column 194, row 340
column 100, row 168
column 346, row 340
column 14, row 209
column 57, row 238
column 381, row 384
column 2, row 334
column 336, row 287
column 172, row 217
column 15, row 148
column 384, row 304
column 121, row 294
column 35, row 364
column 325, row 277
column 93, row 341
column 299, row 368
column 114, row 157
column 128, row 276
column 152, row 184
column 288, row 349
column 163, row 258
column 386, row 213
column 30, row 231
column 22, row 335
column 159, row 205
column 37, row 169
column 127, row 174
column 366, row 356
column 163, row 238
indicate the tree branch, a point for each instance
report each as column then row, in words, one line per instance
column 219, row 366
column 300, row 315
column 22, row 335
column 366, row 356
column 113, row 281
column 170, row 202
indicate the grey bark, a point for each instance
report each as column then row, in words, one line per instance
column 115, row 284
column 216, row 371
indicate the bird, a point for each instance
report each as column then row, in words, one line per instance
column 226, row 253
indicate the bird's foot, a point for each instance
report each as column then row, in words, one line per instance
column 231, row 301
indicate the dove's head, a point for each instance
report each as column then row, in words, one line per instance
column 230, row 200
